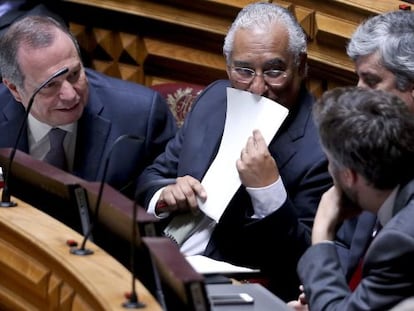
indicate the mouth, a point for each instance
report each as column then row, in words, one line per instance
column 68, row 109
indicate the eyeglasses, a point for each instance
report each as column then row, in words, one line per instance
column 245, row 75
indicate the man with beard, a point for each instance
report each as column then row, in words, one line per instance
column 368, row 137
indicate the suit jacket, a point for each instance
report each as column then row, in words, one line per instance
column 114, row 108
column 387, row 275
column 237, row 238
column 353, row 239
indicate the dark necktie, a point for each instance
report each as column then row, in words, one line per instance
column 56, row 155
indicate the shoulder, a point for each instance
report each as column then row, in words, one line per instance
column 107, row 85
column 402, row 221
column 7, row 101
column 121, row 92
column 214, row 94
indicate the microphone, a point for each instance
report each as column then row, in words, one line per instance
column 82, row 251
column 5, row 198
column 132, row 297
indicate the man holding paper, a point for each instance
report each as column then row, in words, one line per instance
column 248, row 168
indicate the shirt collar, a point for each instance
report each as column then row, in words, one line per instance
column 385, row 211
column 39, row 129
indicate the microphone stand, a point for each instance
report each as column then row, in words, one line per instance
column 82, row 251
column 133, row 302
column 5, row 198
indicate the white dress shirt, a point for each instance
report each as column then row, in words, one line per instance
column 39, row 142
column 265, row 201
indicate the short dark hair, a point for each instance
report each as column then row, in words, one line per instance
column 33, row 31
column 369, row 131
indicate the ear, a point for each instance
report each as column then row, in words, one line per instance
column 303, row 66
column 13, row 89
column 349, row 177
column 228, row 71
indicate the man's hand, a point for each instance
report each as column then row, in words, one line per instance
column 181, row 196
column 333, row 208
column 256, row 166
column 301, row 304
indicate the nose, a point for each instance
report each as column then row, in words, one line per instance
column 258, row 85
column 361, row 84
column 67, row 91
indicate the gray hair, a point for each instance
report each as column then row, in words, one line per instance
column 33, row 32
column 369, row 131
column 263, row 15
column 392, row 36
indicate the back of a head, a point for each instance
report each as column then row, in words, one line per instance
column 264, row 15
column 33, row 32
column 391, row 35
column 369, row 131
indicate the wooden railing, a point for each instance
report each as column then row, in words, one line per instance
column 37, row 271
column 151, row 41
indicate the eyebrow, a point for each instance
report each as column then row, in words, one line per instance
column 275, row 62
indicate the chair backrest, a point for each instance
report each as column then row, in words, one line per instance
column 179, row 96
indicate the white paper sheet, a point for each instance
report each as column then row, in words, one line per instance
column 245, row 112
column 205, row 265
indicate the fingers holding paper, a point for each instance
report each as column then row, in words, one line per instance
column 182, row 196
column 256, row 166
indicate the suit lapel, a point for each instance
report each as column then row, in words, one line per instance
column 404, row 196
column 211, row 146
column 361, row 239
column 203, row 143
column 291, row 130
column 93, row 131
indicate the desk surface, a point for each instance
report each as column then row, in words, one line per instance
column 264, row 300
column 37, row 271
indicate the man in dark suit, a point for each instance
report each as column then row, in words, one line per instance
column 368, row 137
column 267, row 223
column 93, row 109
column 382, row 48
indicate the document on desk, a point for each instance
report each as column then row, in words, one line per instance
column 245, row 112
column 206, row 265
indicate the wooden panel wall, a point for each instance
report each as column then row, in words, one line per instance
column 154, row 41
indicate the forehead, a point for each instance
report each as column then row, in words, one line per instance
column 257, row 44
column 39, row 63
column 370, row 64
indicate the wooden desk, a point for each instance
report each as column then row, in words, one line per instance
column 37, row 271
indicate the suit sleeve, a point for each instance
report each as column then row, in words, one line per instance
column 387, row 275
